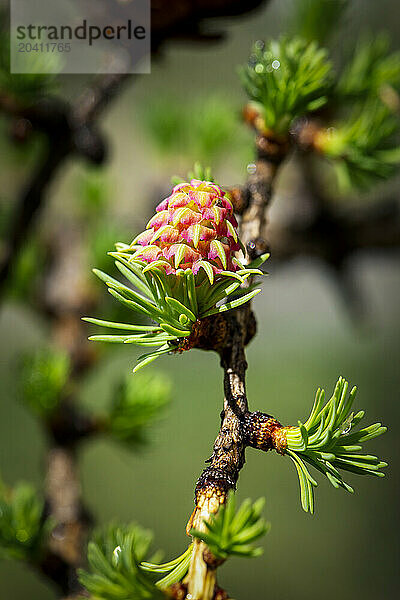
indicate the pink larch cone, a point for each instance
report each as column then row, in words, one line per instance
column 194, row 226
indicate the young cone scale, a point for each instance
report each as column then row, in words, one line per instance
column 184, row 267
column 193, row 228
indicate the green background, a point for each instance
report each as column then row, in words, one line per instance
column 306, row 339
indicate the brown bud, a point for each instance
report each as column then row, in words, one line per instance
column 272, row 147
column 306, row 134
column 220, row 594
column 207, row 334
column 21, row 130
column 250, row 114
column 177, row 591
column 264, row 432
column 257, row 248
column 212, row 561
column 239, row 199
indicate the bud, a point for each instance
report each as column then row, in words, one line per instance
column 194, row 228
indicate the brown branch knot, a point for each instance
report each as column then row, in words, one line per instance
column 215, row 333
column 263, row 432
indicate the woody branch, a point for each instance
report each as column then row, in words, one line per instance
column 239, row 428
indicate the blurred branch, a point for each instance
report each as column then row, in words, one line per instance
column 95, row 98
column 67, row 426
column 69, row 130
column 258, row 192
column 333, row 235
column 188, row 20
column 68, row 540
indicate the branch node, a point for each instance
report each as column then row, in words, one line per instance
column 264, row 432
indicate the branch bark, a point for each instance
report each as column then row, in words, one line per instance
column 227, row 458
column 228, row 455
column 64, row 504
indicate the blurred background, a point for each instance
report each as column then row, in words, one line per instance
column 315, row 322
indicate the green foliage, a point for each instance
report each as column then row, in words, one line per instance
column 205, row 127
column 198, row 172
column 93, row 187
column 232, row 533
column 176, row 569
column 25, row 270
column 316, row 19
column 29, row 86
column 119, row 571
column 164, row 122
column 137, row 403
column 102, row 238
column 22, row 528
column 287, row 78
column 44, row 375
column 371, row 68
column 328, row 442
column 114, row 557
column 212, row 127
column 175, row 304
column 291, row 77
column 364, row 148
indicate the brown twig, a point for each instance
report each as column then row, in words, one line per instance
column 65, row 552
column 227, row 458
column 240, row 428
column 228, row 455
column 258, row 190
